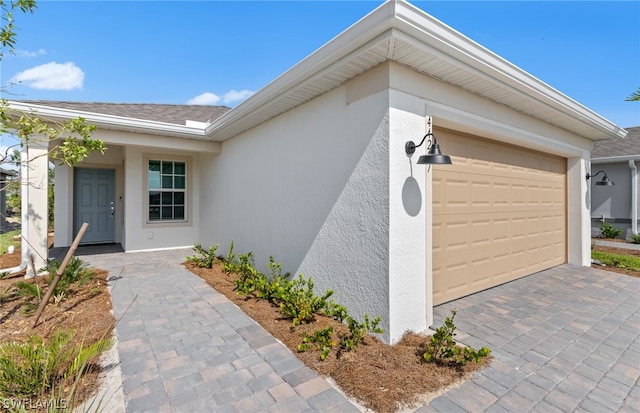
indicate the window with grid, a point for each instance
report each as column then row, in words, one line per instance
column 167, row 182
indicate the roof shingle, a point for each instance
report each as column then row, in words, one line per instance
column 628, row 146
column 175, row 114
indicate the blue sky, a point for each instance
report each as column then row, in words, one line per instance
column 215, row 52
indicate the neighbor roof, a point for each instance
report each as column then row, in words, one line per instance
column 174, row 114
column 629, row 146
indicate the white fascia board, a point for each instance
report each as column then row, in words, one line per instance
column 403, row 20
column 455, row 45
column 111, row 122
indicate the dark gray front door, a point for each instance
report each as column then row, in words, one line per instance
column 94, row 203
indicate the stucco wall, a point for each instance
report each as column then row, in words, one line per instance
column 310, row 187
column 141, row 235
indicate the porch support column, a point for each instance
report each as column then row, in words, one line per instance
column 35, row 183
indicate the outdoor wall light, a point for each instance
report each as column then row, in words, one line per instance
column 433, row 156
column 604, row 181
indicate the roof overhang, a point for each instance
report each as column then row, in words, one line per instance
column 398, row 31
column 192, row 130
column 395, row 31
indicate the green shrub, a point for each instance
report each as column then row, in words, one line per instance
column 301, row 303
column 607, row 230
column 442, row 349
column 76, row 273
column 203, row 258
column 229, row 264
column 337, row 311
column 322, row 339
column 36, row 367
column 357, row 331
column 297, row 301
column 635, row 238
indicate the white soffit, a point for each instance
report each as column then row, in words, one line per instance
column 399, row 32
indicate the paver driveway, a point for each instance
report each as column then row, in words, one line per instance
column 566, row 339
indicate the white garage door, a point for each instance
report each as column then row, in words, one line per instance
column 499, row 213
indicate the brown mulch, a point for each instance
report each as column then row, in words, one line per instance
column 86, row 310
column 381, row 377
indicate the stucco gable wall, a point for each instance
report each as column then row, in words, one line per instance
column 310, row 187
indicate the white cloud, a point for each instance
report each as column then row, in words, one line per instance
column 230, row 97
column 233, row 96
column 30, row 53
column 206, row 98
column 52, row 76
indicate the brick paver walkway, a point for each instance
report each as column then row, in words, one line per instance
column 565, row 339
column 184, row 347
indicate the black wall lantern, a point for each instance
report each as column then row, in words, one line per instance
column 433, row 156
column 604, row 181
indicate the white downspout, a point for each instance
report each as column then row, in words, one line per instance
column 634, row 197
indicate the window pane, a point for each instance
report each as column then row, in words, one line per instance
column 167, row 198
column 178, row 198
column 154, row 174
column 167, row 181
column 154, row 213
column 179, row 182
column 154, row 198
column 179, row 168
column 178, row 212
column 167, row 168
column 167, row 212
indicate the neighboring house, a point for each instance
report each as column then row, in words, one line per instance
column 312, row 169
column 617, row 204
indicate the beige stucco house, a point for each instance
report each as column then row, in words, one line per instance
column 312, row 169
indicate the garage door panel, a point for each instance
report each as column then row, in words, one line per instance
column 499, row 213
column 452, row 191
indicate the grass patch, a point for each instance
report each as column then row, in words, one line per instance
column 7, row 239
column 617, row 260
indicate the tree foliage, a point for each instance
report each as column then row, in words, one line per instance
column 72, row 138
column 635, row 96
column 7, row 25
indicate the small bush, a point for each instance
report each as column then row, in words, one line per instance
column 635, row 238
column 229, row 264
column 357, row 331
column 300, row 303
column 76, row 273
column 607, row 230
column 322, row 339
column 442, row 349
column 203, row 258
